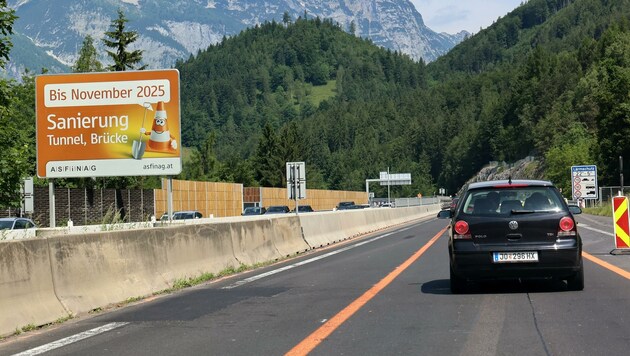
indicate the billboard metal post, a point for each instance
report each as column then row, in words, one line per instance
column 169, row 198
column 51, row 202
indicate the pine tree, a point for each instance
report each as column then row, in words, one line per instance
column 286, row 18
column 268, row 162
column 88, row 58
column 119, row 40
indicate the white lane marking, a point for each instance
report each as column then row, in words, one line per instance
column 302, row 263
column 596, row 230
column 71, row 339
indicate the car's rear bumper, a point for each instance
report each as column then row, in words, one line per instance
column 552, row 263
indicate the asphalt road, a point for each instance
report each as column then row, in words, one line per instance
column 383, row 294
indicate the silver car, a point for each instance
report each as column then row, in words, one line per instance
column 16, row 224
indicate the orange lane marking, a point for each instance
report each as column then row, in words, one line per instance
column 619, row 271
column 307, row 345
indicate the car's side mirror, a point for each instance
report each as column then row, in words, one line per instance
column 574, row 209
column 444, row 214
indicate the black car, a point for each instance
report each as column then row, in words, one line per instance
column 277, row 209
column 253, row 210
column 453, row 204
column 304, row 209
column 346, row 205
column 514, row 229
column 183, row 215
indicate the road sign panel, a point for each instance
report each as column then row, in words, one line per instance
column 622, row 222
column 584, row 182
column 296, row 180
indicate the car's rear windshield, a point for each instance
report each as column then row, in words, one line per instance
column 513, row 200
column 6, row 224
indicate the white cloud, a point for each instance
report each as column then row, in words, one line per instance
column 452, row 16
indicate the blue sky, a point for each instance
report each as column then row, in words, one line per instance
column 452, row 16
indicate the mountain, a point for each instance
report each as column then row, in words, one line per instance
column 308, row 92
column 548, row 80
column 172, row 30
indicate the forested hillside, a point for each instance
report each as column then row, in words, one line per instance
column 306, row 91
column 550, row 79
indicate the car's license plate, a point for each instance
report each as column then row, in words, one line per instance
column 511, row 257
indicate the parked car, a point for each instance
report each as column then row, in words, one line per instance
column 16, row 224
column 253, row 210
column 304, row 209
column 277, row 209
column 529, row 233
column 345, row 205
column 183, row 215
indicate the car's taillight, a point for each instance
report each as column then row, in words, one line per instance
column 567, row 227
column 461, row 230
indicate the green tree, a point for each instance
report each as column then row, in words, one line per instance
column 353, row 28
column 16, row 162
column 573, row 148
column 268, row 163
column 120, row 40
column 14, row 144
column 286, row 18
column 207, row 159
column 611, row 85
column 88, row 58
column 7, row 17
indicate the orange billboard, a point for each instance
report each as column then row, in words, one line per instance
column 108, row 124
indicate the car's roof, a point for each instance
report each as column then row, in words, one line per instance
column 510, row 183
column 13, row 218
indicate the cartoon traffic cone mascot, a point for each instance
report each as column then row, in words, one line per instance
column 160, row 139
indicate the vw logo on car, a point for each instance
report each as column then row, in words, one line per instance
column 513, row 225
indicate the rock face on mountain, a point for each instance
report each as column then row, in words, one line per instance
column 175, row 29
column 527, row 168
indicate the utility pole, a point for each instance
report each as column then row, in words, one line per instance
column 620, row 176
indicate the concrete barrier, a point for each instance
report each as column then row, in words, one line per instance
column 27, row 294
column 42, row 280
column 287, row 236
column 17, row 234
column 322, row 229
column 189, row 251
column 95, row 270
column 252, row 242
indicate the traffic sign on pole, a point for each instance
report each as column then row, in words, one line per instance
column 622, row 222
column 584, row 182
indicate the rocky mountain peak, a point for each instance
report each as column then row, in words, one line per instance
column 171, row 30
